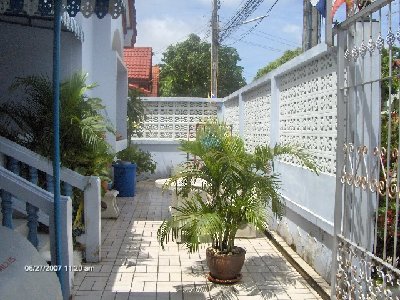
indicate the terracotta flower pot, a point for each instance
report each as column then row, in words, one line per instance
column 104, row 185
column 225, row 266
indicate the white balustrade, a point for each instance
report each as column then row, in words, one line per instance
column 90, row 185
column 27, row 191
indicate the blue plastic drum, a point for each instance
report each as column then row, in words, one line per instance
column 125, row 179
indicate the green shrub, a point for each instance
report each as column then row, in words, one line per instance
column 83, row 127
column 142, row 159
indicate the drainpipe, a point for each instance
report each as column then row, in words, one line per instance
column 309, row 21
column 56, row 139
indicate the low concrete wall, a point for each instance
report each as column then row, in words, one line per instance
column 164, row 152
column 307, row 225
column 310, row 242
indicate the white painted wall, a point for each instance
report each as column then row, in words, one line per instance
column 165, row 153
column 102, row 61
column 121, row 98
column 29, row 51
column 168, row 120
column 174, row 118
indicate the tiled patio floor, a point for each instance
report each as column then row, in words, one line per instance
column 135, row 267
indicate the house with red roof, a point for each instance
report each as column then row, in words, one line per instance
column 141, row 74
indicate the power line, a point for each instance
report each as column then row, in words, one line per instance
column 277, row 38
column 241, row 15
column 291, row 44
column 255, row 45
column 258, row 23
column 269, row 37
column 234, row 27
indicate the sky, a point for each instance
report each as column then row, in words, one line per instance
column 161, row 23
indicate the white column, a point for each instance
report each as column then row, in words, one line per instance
column 92, row 212
column 67, row 256
column 274, row 117
column 241, row 116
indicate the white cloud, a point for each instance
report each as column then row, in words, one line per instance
column 294, row 32
column 292, row 29
column 162, row 32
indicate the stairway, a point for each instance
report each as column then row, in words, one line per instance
column 20, row 226
column 22, row 196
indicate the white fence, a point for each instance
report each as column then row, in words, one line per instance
column 296, row 104
column 175, row 118
column 169, row 120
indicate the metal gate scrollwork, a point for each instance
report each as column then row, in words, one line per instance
column 366, row 223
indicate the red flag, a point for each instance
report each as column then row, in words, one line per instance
column 337, row 3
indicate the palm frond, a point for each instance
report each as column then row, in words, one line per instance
column 242, row 185
column 195, row 221
column 264, row 155
column 82, row 126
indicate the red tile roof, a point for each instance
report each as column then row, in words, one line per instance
column 138, row 60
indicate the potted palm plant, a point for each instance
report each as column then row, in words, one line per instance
column 240, row 187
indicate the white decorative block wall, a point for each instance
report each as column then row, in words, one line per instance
column 296, row 103
column 231, row 114
column 307, row 115
column 175, row 119
column 257, row 109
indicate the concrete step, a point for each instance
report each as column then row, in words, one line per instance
column 44, row 246
column 20, row 226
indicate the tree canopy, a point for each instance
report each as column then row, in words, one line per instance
column 186, row 69
column 287, row 55
column 385, row 74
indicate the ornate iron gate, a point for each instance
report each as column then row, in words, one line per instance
column 367, row 246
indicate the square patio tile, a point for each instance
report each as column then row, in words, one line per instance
column 135, row 267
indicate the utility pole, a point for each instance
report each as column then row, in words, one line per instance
column 311, row 25
column 214, row 48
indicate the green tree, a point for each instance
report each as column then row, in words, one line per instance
column 135, row 115
column 186, row 69
column 288, row 55
column 386, row 81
